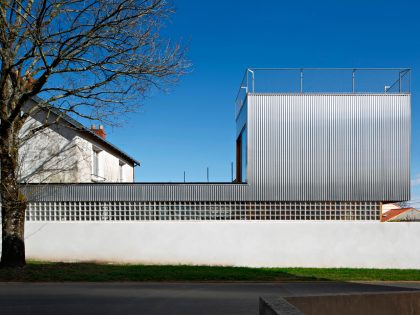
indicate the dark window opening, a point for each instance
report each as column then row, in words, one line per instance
column 238, row 160
column 241, row 157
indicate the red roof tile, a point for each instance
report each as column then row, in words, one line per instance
column 393, row 213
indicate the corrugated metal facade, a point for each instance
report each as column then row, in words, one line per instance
column 329, row 146
column 301, row 147
column 137, row 192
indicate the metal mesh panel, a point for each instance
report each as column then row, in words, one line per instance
column 201, row 211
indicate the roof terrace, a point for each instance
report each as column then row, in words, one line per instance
column 324, row 80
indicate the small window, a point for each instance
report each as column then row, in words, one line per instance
column 121, row 171
column 95, row 164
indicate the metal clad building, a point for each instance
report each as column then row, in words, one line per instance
column 300, row 156
column 329, row 147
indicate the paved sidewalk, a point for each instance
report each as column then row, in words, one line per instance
column 164, row 298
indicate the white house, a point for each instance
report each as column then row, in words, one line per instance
column 68, row 152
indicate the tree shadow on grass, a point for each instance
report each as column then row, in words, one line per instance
column 96, row 272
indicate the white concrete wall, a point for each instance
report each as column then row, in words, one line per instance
column 247, row 243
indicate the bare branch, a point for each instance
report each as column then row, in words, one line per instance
column 88, row 58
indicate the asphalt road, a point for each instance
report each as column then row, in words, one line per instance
column 163, row 298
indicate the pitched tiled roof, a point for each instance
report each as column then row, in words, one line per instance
column 393, row 213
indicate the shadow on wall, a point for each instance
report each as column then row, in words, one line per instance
column 51, row 155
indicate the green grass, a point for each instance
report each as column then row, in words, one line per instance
column 45, row 271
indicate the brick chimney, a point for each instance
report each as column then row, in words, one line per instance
column 100, row 131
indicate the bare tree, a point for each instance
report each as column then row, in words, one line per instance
column 403, row 204
column 90, row 58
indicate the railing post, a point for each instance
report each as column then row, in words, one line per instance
column 252, row 80
column 301, row 81
column 399, row 82
column 352, row 80
column 246, row 75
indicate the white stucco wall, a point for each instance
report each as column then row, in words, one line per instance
column 52, row 155
column 60, row 154
column 85, row 162
column 109, row 167
column 247, row 243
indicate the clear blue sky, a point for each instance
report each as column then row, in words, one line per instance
column 192, row 126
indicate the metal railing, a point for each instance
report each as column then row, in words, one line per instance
column 324, row 80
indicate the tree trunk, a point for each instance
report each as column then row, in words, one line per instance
column 13, row 205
